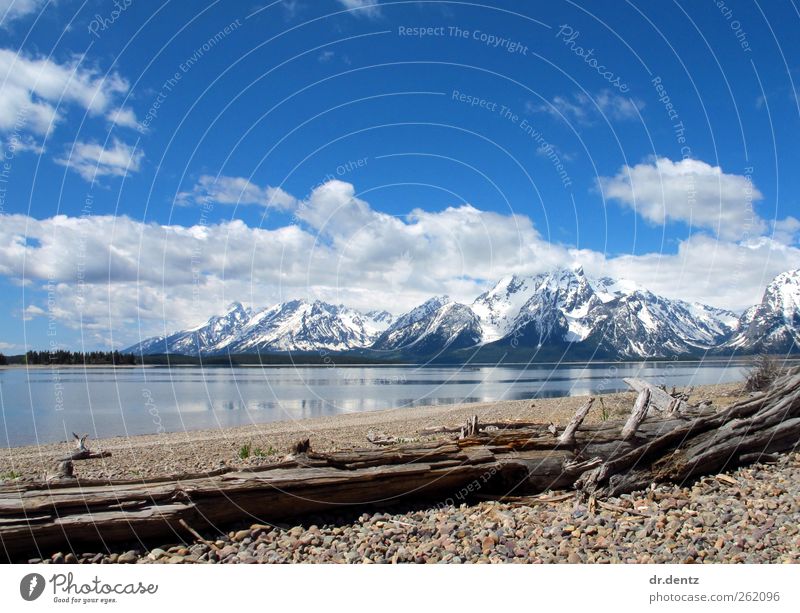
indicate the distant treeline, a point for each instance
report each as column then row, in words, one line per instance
column 61, row 356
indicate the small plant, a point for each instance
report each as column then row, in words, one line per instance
column 604, row 413
column 763, row 371
column 260, row 453
column 10, row 475
column 244, row 451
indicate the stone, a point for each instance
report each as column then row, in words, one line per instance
column 241, row 535
column 129, row 557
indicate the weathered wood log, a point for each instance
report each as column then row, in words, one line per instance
column 568, row 436
column 380, row 438
column 64, row 470
column 470, row 428
column 598, row 459
column 82, row 452
column 674, row 407
column 659, row 399
column 637, row 416
column 86, row 455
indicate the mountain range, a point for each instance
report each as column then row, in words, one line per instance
column 555, row 315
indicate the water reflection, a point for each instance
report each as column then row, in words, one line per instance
column 46, row 404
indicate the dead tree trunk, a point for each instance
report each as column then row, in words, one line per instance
column 493, row 460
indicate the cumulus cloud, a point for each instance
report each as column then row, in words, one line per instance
column 93, row 160
column 689, row 191
column 236, row 190
column 720, row 273
column 32, row 89
column 123, row 117
column 585, row 109
column 10, row 10
column 115, row 275
column 19, row 143
column 786, row 231
column 362, row 8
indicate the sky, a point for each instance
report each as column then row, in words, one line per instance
column 163, row 159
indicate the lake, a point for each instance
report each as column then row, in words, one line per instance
column 45, row 405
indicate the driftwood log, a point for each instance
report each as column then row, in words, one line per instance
column 82, row 452
column 659, row 398
column 496, row 461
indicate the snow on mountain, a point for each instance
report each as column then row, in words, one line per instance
column 297, row 325
column 205, row 338
column 560, row 308
column 642, row 324
column 548, row 303
column 433, row 326
column 774, row 324
column 498, row 308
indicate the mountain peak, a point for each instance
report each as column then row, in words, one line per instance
column 234, row 307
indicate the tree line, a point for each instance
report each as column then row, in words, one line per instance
column 62, row 356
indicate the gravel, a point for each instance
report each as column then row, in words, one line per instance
column 751, row 515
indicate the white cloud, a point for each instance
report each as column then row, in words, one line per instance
column 116, row 276
column 93, row 160
column 30, row 89
column 688, row 191
column 585, row 109
column 786, row 231
column 19, row 143
column 123, row 117
column 291, row 7
column 236, row 190
column 16, row 9
column 362, row 8
column 721, row 273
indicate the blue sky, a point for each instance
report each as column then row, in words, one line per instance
column 164, row 159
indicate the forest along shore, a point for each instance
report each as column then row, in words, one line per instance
column 197, row 451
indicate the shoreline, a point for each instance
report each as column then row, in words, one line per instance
column 169, row 453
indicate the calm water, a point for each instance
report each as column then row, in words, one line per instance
column 45, row 405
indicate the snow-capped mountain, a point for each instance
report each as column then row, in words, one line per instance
column 557, row 308
column 610, row 317
column 209, row 337
column 774, row 324
column 297, row 325
column 564, row 310
column 307, row 326
column 642, row 324
column 436, row 325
